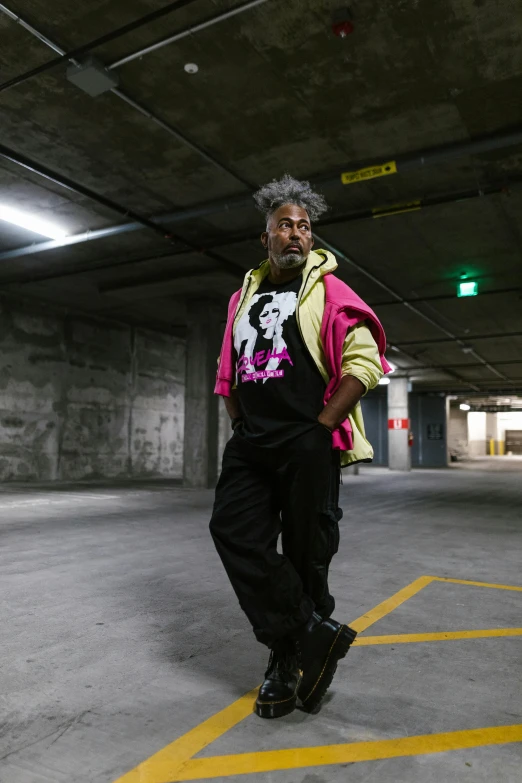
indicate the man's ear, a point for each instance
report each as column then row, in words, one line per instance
column 313, row 241
column 264, row 239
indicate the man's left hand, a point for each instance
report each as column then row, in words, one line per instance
column 343, row 401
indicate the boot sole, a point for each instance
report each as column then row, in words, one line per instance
column 338, row 650
column 275, row 709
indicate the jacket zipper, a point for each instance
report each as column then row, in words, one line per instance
column 299, row 303
column 247, row 289
column 241, row 302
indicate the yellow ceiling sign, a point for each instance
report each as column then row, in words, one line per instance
column 372, row 172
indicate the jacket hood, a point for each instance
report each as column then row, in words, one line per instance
column 317, row 258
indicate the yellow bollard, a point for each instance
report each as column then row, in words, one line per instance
column 501, row 446
column 491, row 447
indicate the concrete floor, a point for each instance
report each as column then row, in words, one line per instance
column 504, row 464
column 121, row 633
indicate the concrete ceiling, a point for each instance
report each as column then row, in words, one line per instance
column 275, row 92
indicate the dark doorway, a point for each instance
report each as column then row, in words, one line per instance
column 514, row 441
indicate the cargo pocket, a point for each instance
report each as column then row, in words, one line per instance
column 334, row 534
column 334, row 512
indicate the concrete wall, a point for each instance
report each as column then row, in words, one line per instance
column 511, row 420
column 458, row 433
column 82, row 398
column 375, row 413
column 477, row 441
column 428, row 424
column 428, row 414
column 492, row 433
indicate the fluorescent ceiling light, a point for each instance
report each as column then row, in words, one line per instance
column 465, row 407
column 384, row 382
column 32, row 223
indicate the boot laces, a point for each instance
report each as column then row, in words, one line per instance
column 282, row 663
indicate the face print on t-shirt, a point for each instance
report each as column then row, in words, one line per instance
column 259, row 338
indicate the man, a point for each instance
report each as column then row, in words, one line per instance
column 300, row 349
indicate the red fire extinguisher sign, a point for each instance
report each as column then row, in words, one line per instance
column 398, row 424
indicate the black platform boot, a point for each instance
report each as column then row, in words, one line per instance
column 278, row 694
column 321, row 644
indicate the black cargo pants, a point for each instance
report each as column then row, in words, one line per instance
column 263, row 492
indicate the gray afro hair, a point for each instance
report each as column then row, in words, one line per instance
column 288, row 190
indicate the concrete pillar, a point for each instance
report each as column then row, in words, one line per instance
column 478, row 446
column 224, row 431
column 399, row 453
column 492, row 436
column 200, row 447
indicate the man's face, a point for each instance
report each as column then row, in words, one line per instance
column 288, row 237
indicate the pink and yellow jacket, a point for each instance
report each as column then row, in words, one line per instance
column 327, row 312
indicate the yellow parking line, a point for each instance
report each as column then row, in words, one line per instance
column 380, row 611
column 175, row 762
column 167, row 761
column 165, row 764
column 269, row 761
column 408, row 638
column 475, row 584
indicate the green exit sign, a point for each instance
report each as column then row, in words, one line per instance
column 467, row 289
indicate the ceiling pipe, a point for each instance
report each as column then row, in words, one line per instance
column 166, row 277
column 433, row 367
column 184, row 33
column 458, row 149
column 510, row 137
column 74, row 239
column 119, row 287
column 404, row 162
column 170, row 129
column 176, row 134
column 21, row 160
column 447, row 297
column 465, row 339
column 339, row 254
column 370, row 213
column 43, row 171
column 458, row 366
column 89, row 236
column 75, row 187
column 407, row 162
column 80, row 50
column 447, row 151
column 211, row 207
column 495, row 392
column 102, row 265
column 380, row 212
column 41, row 37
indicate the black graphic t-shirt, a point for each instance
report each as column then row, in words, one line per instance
column 279, row 385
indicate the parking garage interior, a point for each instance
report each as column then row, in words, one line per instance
column 132, row 138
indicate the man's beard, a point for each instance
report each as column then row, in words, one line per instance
column 288, row 260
